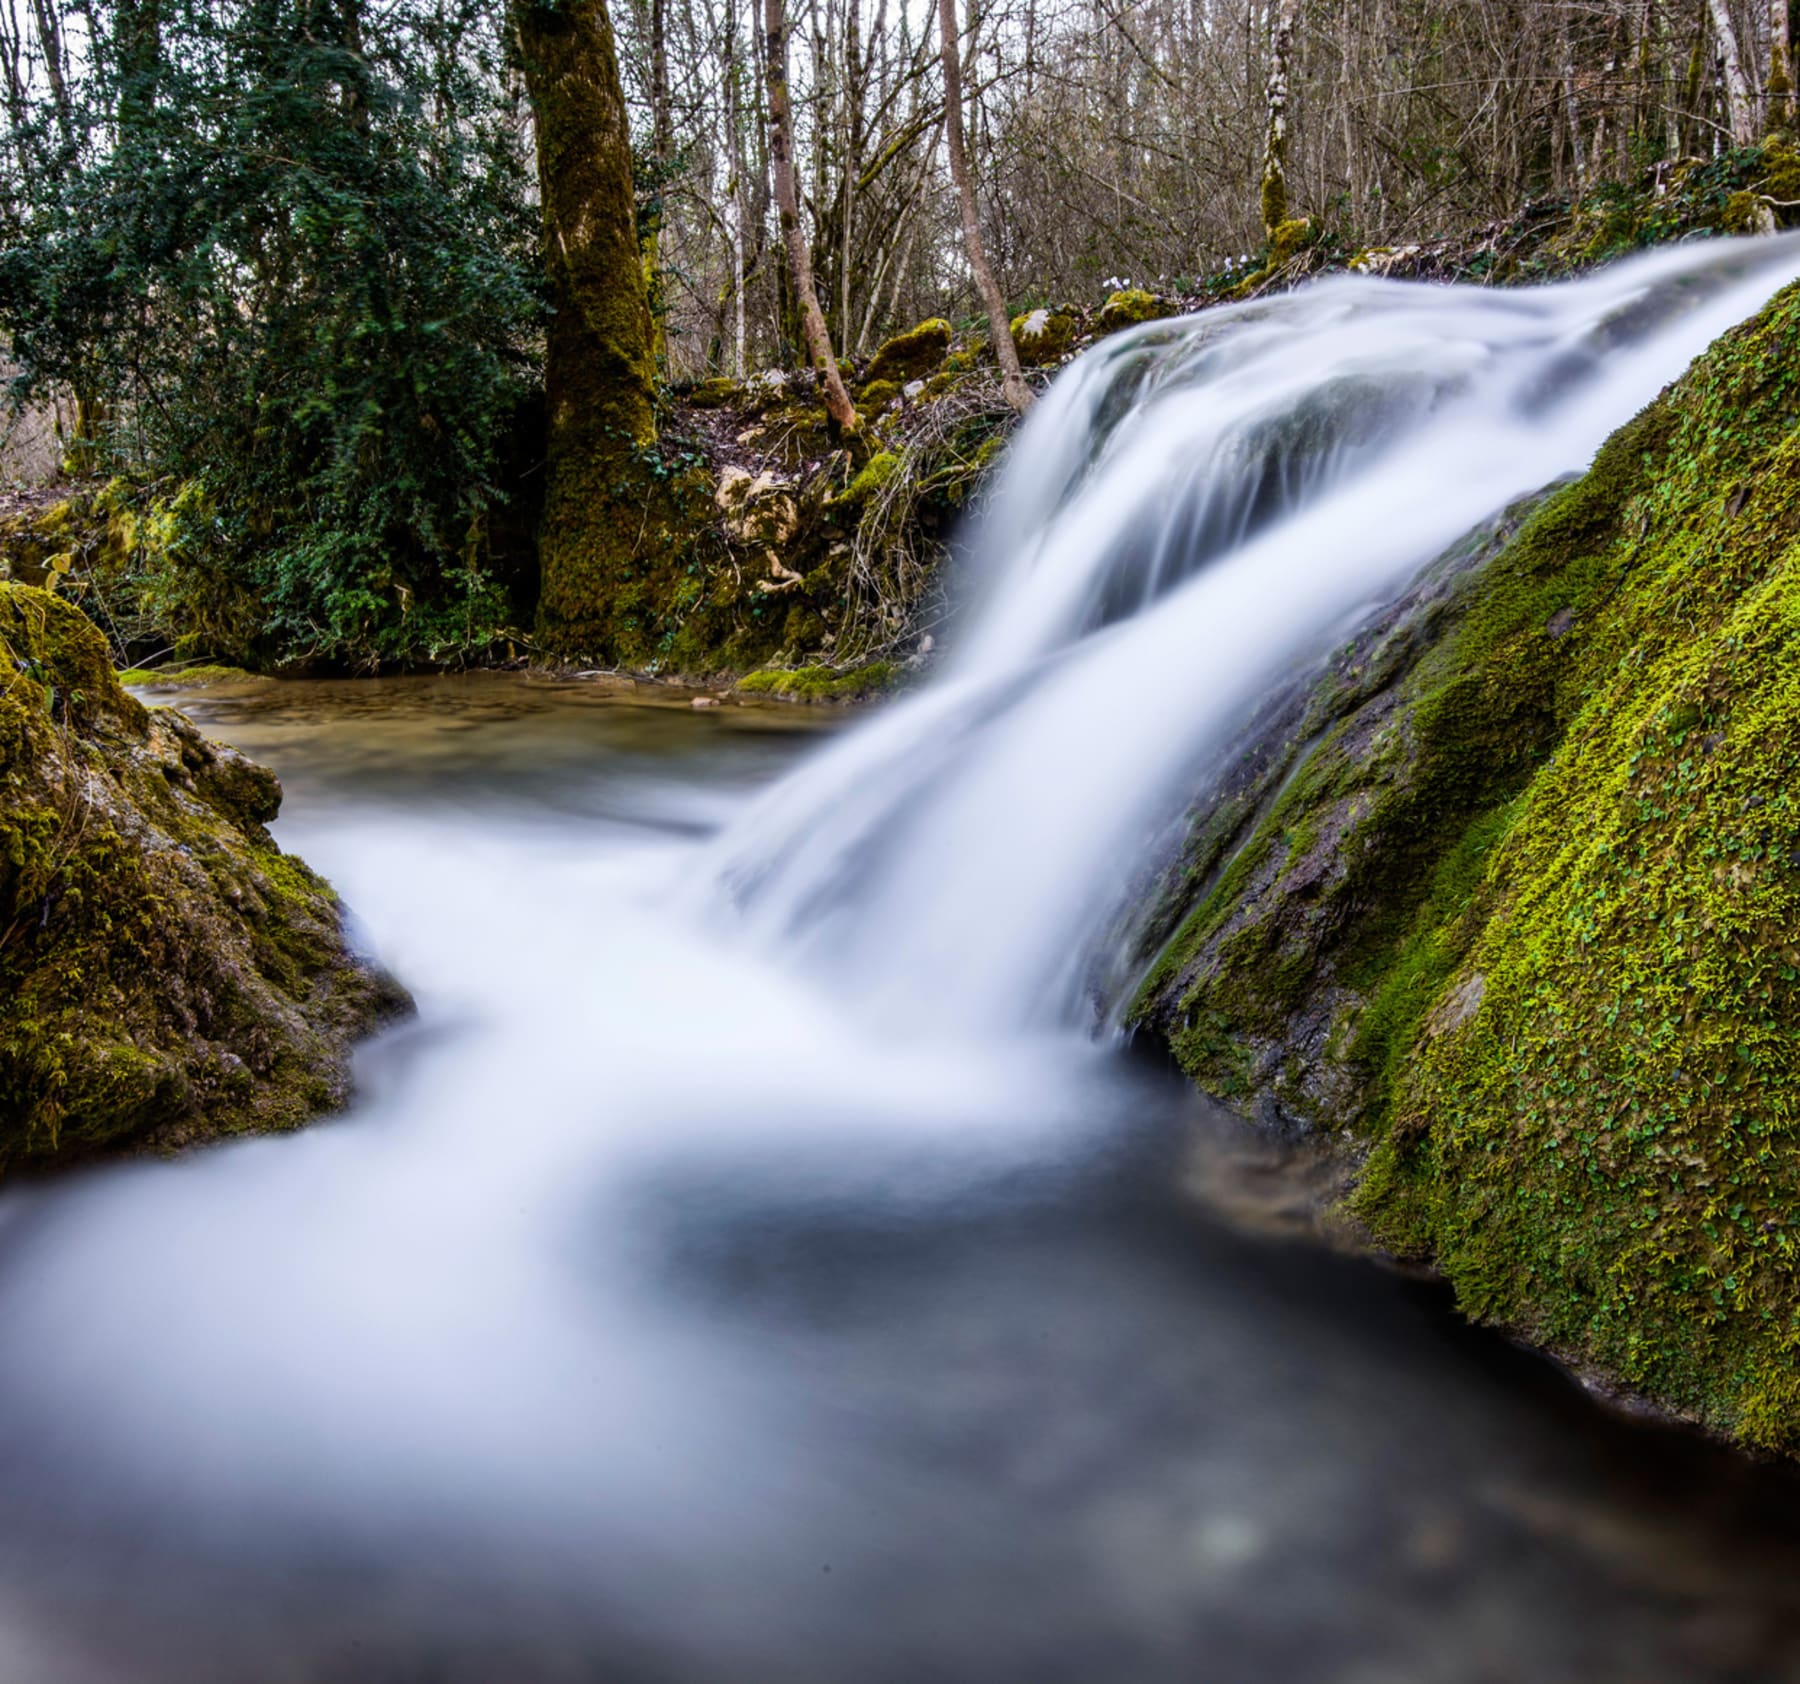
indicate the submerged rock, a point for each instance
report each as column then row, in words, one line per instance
column 167, row 974
column 1512, row 893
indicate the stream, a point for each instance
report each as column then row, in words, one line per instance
column 648, row 1320
column 759, row 1261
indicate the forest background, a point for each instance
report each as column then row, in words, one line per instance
column 333, row 300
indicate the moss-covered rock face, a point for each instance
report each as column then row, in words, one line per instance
column 1514, row 894
column 911, row 355
column 167, row 974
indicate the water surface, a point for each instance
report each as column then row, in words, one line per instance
column 656, row 1316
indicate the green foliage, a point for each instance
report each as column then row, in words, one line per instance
column 293, row 265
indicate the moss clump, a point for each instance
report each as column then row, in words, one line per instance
column 166, row 973
column 1132, row 307
column 911, row 355
column 1524, row 911
column 717, row 393
column 876, row 396
column 1043, row 336
column 1290, row 238
column 821, row 684
column 876, row 473
column 186, row 678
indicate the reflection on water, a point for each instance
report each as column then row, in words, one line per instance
column 652, row 1319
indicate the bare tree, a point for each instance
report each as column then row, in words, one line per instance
column 781, row 159
column 1283, row 14
column 1739, row 99
column 1012, row 376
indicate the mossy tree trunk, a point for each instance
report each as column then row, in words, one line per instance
column 1012, row 377
column 1283, row 15
column 781, row 159
column 600, row 505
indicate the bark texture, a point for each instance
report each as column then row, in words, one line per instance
column 781, row 163
column 1274, row 178
column 1012, row 377
column 1739, row 100
column 598, row 503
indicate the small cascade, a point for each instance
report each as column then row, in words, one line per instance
column 1196, row 513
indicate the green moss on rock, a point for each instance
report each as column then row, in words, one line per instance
column 1043, row 336
column 1515, row 895
column 201, row 676
column 166, row 973
column 911, row 355
column 1131, row 307
column 821, row 683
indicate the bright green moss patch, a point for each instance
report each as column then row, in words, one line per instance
column 185, row 678
column 1131, row 307
column 820, row 683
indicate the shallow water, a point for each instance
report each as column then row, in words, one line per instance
column 653, row 1317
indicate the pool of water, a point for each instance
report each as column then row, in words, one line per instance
column 657, row 1315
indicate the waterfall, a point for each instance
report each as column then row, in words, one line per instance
column 1198, row 511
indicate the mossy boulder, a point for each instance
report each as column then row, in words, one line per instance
column 911, row 355
column 1133, row 306
column 167, row 974
column 876, row 396
column 1512, row 893
column 1043, row 336
column 717, row 393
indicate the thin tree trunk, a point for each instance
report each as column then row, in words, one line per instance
column 1274, row 175
column 781, row 158
column 1571, row 105
column 1739, row 100
column 1781, row 68
column 1012, row 376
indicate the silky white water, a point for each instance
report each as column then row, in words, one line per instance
column 750, row 1266
column 1195, row 510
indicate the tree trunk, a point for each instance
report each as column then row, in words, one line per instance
column 1781, row 68
column 1738, row 97
column 1571, row 104
column 781, row 159
column 1274, row 176
column 598, row 370
column 1012, row 376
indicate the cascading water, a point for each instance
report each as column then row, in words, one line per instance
column 1196, row 510
column 750, row 1267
